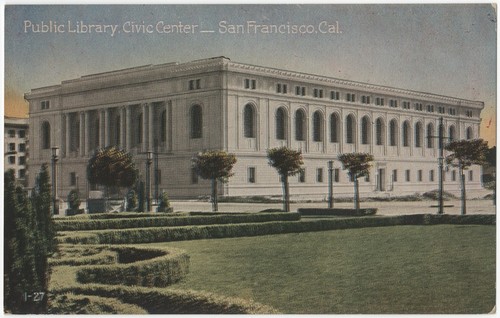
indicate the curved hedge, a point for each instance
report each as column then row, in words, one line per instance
column 147, row 221
column 170, row 301
column 67, row 304
column 140, row 266
column 155, row 234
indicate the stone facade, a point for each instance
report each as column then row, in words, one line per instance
column 244, row 109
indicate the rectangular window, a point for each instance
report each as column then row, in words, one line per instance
column 393, row 103
column 12, row 133
column 408, row 176
column 198, row 84
column 334, row 95
column 302, row 176
column 419, row 174
column 22, row 133
column 45, row 104
column 251, row 174
column 12, row 160
column 191, row 85
column 157, row 176
column 471, row 175
column 318, row 93
column 22, row 173
column 431, row 175
column 22, row 160
column 367, row 178
column 454, row 175
column 336, row 175
column 365, row 99
column 300, row 90
column 281, row 88
column 250, row 83
column 12, row 146
column 351, row 97
column 194, row 176
column 303, row 91
column 22, row 148
column 72, row 179
column 406, row 105
column 430, row 108
column 394, row 175
column 319, row 175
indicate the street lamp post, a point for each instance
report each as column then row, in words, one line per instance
column 441, row 164
column 149, row 160
column 330, row 184
column 55, row 158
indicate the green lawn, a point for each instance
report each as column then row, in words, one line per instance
column 401, row 269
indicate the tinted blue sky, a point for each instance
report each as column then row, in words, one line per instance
column 447, row 49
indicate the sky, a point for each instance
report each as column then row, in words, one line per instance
column 446, row 49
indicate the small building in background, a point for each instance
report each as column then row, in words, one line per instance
column 16, row 134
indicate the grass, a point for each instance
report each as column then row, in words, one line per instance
column 401, row 269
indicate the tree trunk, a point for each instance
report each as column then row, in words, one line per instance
column 462, row 183
column 286, row 194
column 356, row 194
column 215, row 205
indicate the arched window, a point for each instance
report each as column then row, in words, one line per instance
column 300, row 122
column 163, row 126
column 406, row 134
column 317, row 126
column 365, row 130
column 468, row 133
column 430, row 136
column 451, row 133
column 249, row 121
column 350, row 133
column 418, row 135
column 380, row 134
column 45, row 135
column 393, row 132
column 196, row 118
column 334, row 127
column 281, row 124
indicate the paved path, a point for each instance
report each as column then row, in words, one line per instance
column 384, row 208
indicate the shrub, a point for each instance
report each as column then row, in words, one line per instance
column 168, row 301
column 164, row 205
column 74, row 200
column 131, row 200
column 83, row 304
column 337, row 212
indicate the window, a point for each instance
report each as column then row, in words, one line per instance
column 45, row 104
column 406, row 105
column 281, row 124
column 394, row 175
column 22, row 148
column 12, row 146
column 139, row 129
column 365, row 99
column 441, row 109
column 454, row 175
column 281, row 88
column 250, row 83
column 12, row 133
column 451, row 133
column 430, row 108
column 407, row 173
column 468, row 113
column 163, row 126
column 300, row 121
column 158, row 176
column 194, row 84
column 72, row 179
column 302, row 176
column 393, row 131
column 430, row 136
column 419, row 106
column 22, row 173
column 22, row 133
column 22, row 160
column 300, row 90
column 393, row 103
column 319, row 175
column 367, row 178
column 379, row 127
column 365, row 130
column 452, row 111
column 194, row 176
column 351, row 97
column 334, row 128
column 317, row 126
column 12, row 160
column 419, row 175
column 418, row 135
column 117, row 132
column 334, row 95
column 318, row 93
column 336, row 175
column 249, row 121
column 45, row 135
column 251, row 174
column 196, row 121
column 431, row 175
column 468, row 133
column 379, row 101
column 350, row 129
column 471, row 175
column 406, row 134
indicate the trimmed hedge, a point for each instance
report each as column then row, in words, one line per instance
column 114, row 215
column 144, row 267
column 151, row 235
column 82, row 224
column 83, row 304
column 75, row 255
column 169, row 301
column 337, row 212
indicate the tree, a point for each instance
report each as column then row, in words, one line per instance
column 112, row 167
column 466, row 153
column 358, row 165
column 215, row 165
column 287, row 162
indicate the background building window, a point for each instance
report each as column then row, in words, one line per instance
column 431, row 175
column 419, row 175
column 196, row 122
column 22, row 173
column 395, row 175
column 407, row 173
column 336, row 175
column 334, row 126
column 12, row 133
column 12, row 146
column 393, row 127
column 300, row 121
column 379, row 131
column 280, row 124
column 45, row 135
column 468, row 133
column 430, row 136
column 12, row 160
column 406, row 134
column 319, row 175
column 249, row 121
column 317, row 126
column 22, row 133
column 251, row 175
column 451, row 133
column 365, row 130
column 418, row 135
column 22, row 160
column 350, row 134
